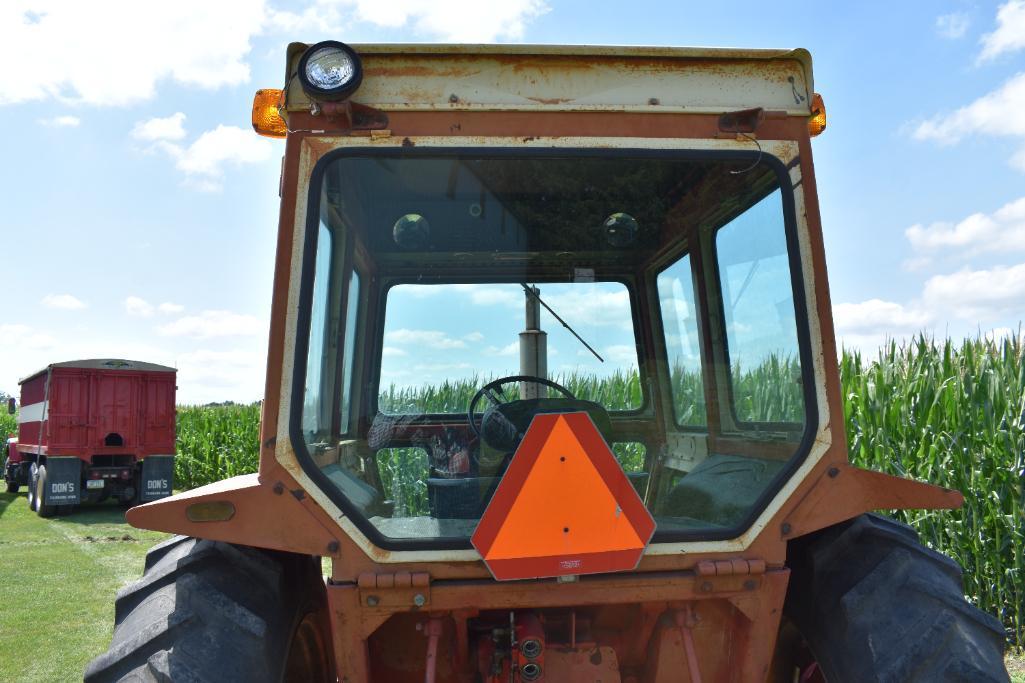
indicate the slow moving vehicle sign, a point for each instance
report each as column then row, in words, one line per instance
column 564, row 507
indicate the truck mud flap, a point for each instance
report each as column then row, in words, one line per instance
column 63, row 481
column 157, row 477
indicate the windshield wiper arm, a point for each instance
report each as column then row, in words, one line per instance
column 531, row 292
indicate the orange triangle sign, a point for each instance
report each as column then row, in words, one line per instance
column 564, row 506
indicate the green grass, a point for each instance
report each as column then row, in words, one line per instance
column 58, row 579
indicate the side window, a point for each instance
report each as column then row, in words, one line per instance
column 348, row 355
column 758, row 308
column 313, row 418
column 680, row 324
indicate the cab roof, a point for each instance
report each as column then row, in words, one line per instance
column 461, row 77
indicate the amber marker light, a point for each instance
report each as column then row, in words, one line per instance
column 817, row 120
column 267, row 120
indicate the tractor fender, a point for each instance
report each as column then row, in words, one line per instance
column 843, row 492
column 243, row 510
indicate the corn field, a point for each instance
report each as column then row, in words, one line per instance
column 949, row 414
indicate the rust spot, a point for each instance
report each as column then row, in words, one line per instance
column 550, row 100
column 271, row 442
column 406, row 142
column 528, row 139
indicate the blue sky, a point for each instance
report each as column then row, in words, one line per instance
column 139, row 211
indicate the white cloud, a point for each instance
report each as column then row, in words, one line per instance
column 953, row 25
column 167, row 128
column 978, row 295
column 208, row 375
column 392, row 351
column 66, row 302
column 204, row 160
column 16, row 336
column 433, row 339
column 875, row 315
column 623, row 354
column 473, row 337
column 138, row 307
column 117, row 53
column 169, row 308
column 1009, row 35
column 214, row 324
column 992, row 114
column 471, row 21
column 66, row 121
column 1003, row 231
column 512, row 349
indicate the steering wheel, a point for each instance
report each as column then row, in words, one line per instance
column 493, row 392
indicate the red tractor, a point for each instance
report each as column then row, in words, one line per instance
column 89, row 430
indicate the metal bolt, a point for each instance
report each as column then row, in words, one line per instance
column 453, row 98
column 653, row 101
column 333, row 547
column 833, row 471
column 706, row 587
column 786, row 528
column 749, row 585
column 373, row 600
column 279, row 488
column 419, row 600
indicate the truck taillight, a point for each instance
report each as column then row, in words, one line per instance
column 126, row 474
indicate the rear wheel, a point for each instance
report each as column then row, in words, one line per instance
column 42, row 509
column 872, row 604
column 213, row 611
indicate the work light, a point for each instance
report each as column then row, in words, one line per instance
column 330, row 70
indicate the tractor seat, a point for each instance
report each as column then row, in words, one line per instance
column 722, row 489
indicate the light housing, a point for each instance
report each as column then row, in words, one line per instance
column 817, row 120
column 267, row 119
column 330, row 70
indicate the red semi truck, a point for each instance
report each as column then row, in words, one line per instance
column 89, row 430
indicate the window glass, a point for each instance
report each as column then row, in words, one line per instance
column 348, row 356
column 758, row 306
column 680, row 325
column 443, row 342
column 406, row 421
column 314, row 405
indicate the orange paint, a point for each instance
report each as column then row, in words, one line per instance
column 564, row 507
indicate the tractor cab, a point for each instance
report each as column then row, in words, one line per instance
column 455, row 294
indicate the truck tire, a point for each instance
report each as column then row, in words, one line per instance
column 33, row 471
column 873, row 604
column 208, row 611
column 42, row 509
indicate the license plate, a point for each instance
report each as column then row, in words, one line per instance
column 94, row 484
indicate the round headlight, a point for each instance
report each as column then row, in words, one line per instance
column 330, row 70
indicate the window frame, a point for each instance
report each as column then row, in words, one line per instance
column 301, row 347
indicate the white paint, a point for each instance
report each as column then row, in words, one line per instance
column 35, row 412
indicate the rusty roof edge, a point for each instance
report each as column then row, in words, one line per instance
column 798, row 54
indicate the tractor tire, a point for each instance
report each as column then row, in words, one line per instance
column 42, row 509
column 12, row 486
column 874, row 605
column 208, row 611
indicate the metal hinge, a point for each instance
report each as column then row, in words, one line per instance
column 732, row 567
column 411, row 590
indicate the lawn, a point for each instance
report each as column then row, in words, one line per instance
column 58, row 579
